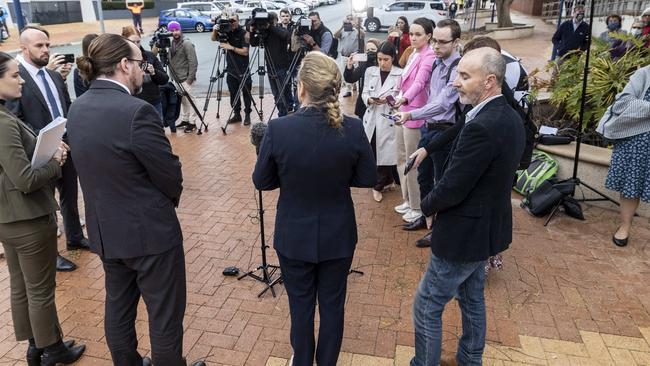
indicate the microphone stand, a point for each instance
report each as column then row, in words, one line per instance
column 267, row 270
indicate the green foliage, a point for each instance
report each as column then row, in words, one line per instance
column 121, row 5
column 607, row 77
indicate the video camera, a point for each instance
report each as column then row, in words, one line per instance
column 303, row 26
column 224, row 26
column 258, row 26
column 161, row 38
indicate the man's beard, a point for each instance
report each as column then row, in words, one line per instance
column 39, row 62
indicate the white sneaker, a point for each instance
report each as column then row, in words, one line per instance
column 403, row 208
column 58, row 232
column 412, row 215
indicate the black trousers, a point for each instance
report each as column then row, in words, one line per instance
column 160, row 279
column 233, row 85
column 68, row 189
column 305, row 282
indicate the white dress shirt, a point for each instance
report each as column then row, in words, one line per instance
column 118, row 83
column 474, row 111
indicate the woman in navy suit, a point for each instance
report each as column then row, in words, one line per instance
column 314, row 156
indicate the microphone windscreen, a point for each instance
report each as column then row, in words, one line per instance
column 257, row 133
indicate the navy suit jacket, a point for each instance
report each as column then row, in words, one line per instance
column 314, row 165
column 566, row 39
column 130, row 178
column 472, row 199
column 31, row 108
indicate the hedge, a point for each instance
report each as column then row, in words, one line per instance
column 121, row 5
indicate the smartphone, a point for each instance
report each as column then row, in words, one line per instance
column 409, row 165
column 391, row 117
column 360, row 57
column 390, row 100
column 69, row 58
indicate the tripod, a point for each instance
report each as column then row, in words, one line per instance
column 267, row 270
column 164, row 58
column 219, row 59
column 287, row 79
column 242, row 84
column 574, row 181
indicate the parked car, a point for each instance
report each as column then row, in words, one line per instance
column 310, row 3
column 188, row 19
column 383, row 17
column 246, row 10
column 208, row 8
column 229, row 4
column 295, row 7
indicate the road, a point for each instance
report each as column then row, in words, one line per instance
column 332, row 16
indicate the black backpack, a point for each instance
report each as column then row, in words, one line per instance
column 525, row 110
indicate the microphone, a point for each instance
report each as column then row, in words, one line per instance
column 257, row 134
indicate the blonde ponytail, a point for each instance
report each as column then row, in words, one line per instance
column 321, row 78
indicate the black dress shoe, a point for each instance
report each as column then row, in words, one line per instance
column 82, row 244
column 182, row 124
column 34, row 354
column 191, row 127
column 619, row 242
column 418, row 224
column 425, row 242
column 198, row 363
column 64, row 265
column 247, row 119
column 146, row 361
column 59, row 353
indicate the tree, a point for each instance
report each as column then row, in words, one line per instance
column 503, row 13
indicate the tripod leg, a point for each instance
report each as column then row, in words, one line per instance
column 606, row 197
column 550, row 216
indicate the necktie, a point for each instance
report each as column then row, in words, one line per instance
column 50, row 96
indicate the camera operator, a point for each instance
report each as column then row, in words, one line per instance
column 183, row 63
column 276, row 43
column 348, row 37
column 235, row 42
column 319, row 38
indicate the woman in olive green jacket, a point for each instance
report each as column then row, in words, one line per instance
column 28, row 230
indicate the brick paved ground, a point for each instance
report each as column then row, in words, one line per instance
column 566, row 295
column 565, row 290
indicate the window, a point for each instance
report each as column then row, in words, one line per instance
column 437, row 6
column 181, row 14
column 415, row 6
column 168, row 14
column 397, row 7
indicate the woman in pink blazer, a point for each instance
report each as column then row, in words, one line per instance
column 414, row 93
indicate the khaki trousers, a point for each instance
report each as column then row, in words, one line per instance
column 407, row 143
column 187, row 112
column 30, row 249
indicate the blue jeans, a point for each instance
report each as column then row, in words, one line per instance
column 276, row 85
column 442, row 281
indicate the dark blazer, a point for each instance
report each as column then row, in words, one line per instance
column 31, row 108
column 314, row 166
column 25, row 193
column 566, row 39
column 472, row 199
column 130, row 178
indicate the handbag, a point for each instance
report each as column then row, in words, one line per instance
column 542, row 200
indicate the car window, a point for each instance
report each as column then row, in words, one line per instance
column 415, row 6
column 437, row 6
column 181, row 14
column 397, row 7
column 168, row 14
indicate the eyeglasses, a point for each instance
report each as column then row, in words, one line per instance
column 440, row 41
column 141, row 63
